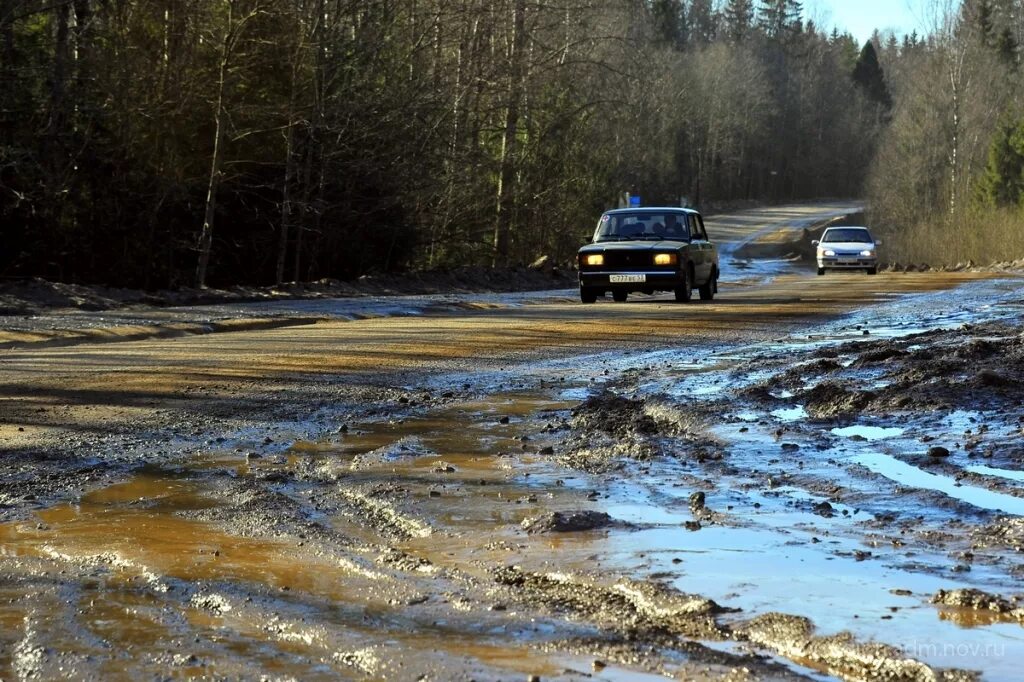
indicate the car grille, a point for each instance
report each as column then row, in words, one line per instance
column 627, row 260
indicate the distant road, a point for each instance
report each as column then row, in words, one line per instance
column 742, row 226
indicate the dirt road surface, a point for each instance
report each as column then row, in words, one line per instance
column 807, row 478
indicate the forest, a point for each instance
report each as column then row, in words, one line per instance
column 168, row 143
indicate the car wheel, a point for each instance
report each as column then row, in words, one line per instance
column 707, row 290
column 873, row 271
column 620, row 296
column 684, row 292
column 821, row 271
column 588, row 295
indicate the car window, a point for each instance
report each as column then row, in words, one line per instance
column 846, row 234
column 646, row 225
column 698, row 232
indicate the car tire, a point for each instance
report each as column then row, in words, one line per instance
column 873, row 271
column 620, row 296
column 588, row 294
column 821, row 271
column 707, row 290
column 684, row 292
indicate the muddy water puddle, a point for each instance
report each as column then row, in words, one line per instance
column 914, row 477
column 135, row 527
column 864, row 432
column 467, row 471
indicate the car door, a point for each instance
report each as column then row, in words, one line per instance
column 700, row 248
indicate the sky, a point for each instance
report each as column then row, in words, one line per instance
column 861, row 17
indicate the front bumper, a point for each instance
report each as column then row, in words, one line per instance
column 855, row 263
column 652, row 279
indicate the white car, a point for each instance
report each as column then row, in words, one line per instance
column 847, row 248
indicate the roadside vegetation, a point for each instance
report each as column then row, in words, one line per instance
column 162, row 143
column 155, row 143
column 945, row 188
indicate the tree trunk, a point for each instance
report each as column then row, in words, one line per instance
column 289, row 172
column 506, row 177
column 216, row 161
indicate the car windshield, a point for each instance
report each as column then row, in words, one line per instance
column 642, row 225
column 852, row 234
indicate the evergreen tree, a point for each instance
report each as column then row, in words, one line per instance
column 777, row 17
column 1003, row 182
column 670, row 21
column 979, row 19
column 739, row 19
column 870, row 78
column 1006, row 47
column 702, row 21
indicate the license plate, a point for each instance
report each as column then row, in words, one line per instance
column 847, row 261
column 627, row 279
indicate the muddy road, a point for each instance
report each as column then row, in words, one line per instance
column 807, row 478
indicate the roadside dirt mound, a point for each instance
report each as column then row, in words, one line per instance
column 36, row 295
column 980, row 367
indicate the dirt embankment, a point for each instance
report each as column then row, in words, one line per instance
column 37, row 295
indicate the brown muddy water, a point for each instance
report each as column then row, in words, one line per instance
column 737, row 487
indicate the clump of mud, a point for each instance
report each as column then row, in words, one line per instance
column 1003, row 532
column 631, row 607
column 841, row 654
column 831, row 399
column 614, row 415
column 973, row 367
column 568, row 522
column 978, row 600
column 608, row 429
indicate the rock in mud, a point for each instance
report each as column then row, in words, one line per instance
column 824, row 509
column 938, row 451
column 697, row 501
column 568, row 522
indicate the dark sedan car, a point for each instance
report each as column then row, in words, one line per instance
column 647, row 250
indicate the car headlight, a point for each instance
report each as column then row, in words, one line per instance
column 828, row 252
column 595, row 259
column 665, row 259
column 867, row 253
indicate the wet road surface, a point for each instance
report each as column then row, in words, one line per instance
column 498, row 487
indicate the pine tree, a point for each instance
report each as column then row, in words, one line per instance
column 870, row 78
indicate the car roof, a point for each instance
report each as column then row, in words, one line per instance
column 847, row 227
column 653, row 209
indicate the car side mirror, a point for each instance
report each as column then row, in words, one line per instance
column 878, row 242
column 815, row 242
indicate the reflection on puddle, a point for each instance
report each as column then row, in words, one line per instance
column 905, row 474
column 646, row 513
column 1008, row 474
column 790, row 414
column 868, row 432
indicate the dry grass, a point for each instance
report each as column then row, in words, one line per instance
column 979, row 237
